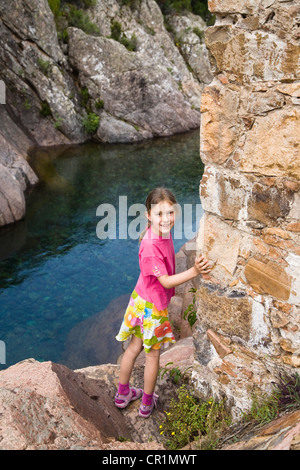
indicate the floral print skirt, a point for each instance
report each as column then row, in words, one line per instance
column 143, row 320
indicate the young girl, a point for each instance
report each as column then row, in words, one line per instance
column 146, row 317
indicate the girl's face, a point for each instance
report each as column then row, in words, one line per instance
column 162, row 218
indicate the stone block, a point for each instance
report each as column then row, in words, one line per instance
column 237, row 6
column 222, row 192
column 218, row 135
column 263, row 101
column 220, row 244
column 271, row 146
column 226, row 311
column 293, row 270
column 268, row 278
column 239, row 53
column 218, row 344
column 279, row 319
column 267, row 205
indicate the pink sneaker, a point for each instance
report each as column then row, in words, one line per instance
column 146, row 410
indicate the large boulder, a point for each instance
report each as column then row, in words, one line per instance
column 15, row 173
column 143, row 93
column 46, row 406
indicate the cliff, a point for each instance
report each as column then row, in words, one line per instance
column 123, row 79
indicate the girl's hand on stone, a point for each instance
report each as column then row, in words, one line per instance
column 202, row 265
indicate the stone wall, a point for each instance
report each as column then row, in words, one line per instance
column 248, row 308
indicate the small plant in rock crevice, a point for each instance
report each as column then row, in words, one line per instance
column 189, row 418
column 174, row 373
column 72, row 13
column 91, row 123
column 191, row 313
column 285, row 396
column 118, row 35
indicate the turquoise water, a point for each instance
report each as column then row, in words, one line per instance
column 54, row 271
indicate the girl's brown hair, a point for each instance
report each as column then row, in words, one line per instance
column 156, row 196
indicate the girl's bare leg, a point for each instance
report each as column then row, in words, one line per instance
column 151, row 370
column 128, row 359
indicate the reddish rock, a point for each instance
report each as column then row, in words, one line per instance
column 293, row 227
column 220, row 347
column 281, row 434
column 48, row 406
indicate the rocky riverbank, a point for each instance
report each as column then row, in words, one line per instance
column 46, row 406
column 50, row 406
column 66, row 85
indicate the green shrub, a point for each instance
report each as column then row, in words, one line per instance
column 99, row 103
column 88, row 3
column 58, row 122
column 45, row 109
column 44, row 66
column 116, row 34
column 91, row 123
column 191, row 312
column 55, row 7
column 63, row 35
column 27, row 104
column 115, row 30
column 175, row 374
column 82, row 4
column 79, row 19
column 198, row 7
column 132, row 4
column 199, row 33
column 130, row 44
column 84, row 97
column 71, row 13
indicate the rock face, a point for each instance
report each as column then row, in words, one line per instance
column 47, row 406
column 281, row 434
column 146, row 92
column 15, row 173
column 248, row 308
column 52, row 87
